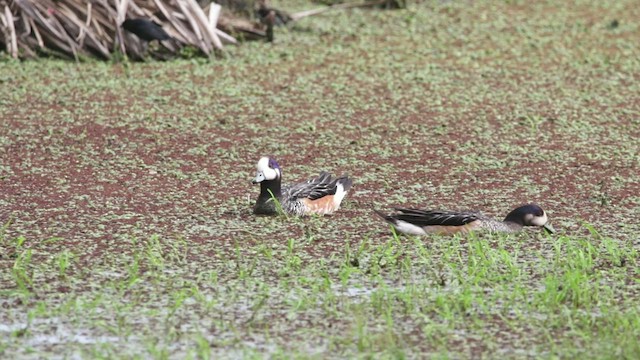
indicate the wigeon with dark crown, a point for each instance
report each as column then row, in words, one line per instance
column 320, row 195
column 421, row 222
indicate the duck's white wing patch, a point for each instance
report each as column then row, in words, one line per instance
column 339, row 196
column 408, row 228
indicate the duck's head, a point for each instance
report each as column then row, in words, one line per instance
column 530, row 215
column 268, row 169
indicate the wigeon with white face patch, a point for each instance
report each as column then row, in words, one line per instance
column 320, row 195
column 421, row 222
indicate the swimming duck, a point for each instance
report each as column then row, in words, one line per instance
column 420, row 222
column 320, row 195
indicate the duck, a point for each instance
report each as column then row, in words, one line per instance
column 321, row 195
column 421, row 222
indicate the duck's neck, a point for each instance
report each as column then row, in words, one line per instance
column 510, row 226
column 500, row 226
column 269, row 188
column 265, row 204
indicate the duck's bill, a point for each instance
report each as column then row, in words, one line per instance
column 259, row 178
column 548, row 228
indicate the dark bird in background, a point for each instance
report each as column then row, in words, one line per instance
column 145, row 29
column 268, row 14
column 270, row 20
column 148, row 31
column 271, row 17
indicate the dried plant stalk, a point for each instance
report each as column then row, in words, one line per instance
column 78, row 28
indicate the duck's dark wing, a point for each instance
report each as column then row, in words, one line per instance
column 424, row 218
column 317, row 187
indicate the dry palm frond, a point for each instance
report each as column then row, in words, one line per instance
column 79, row 28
